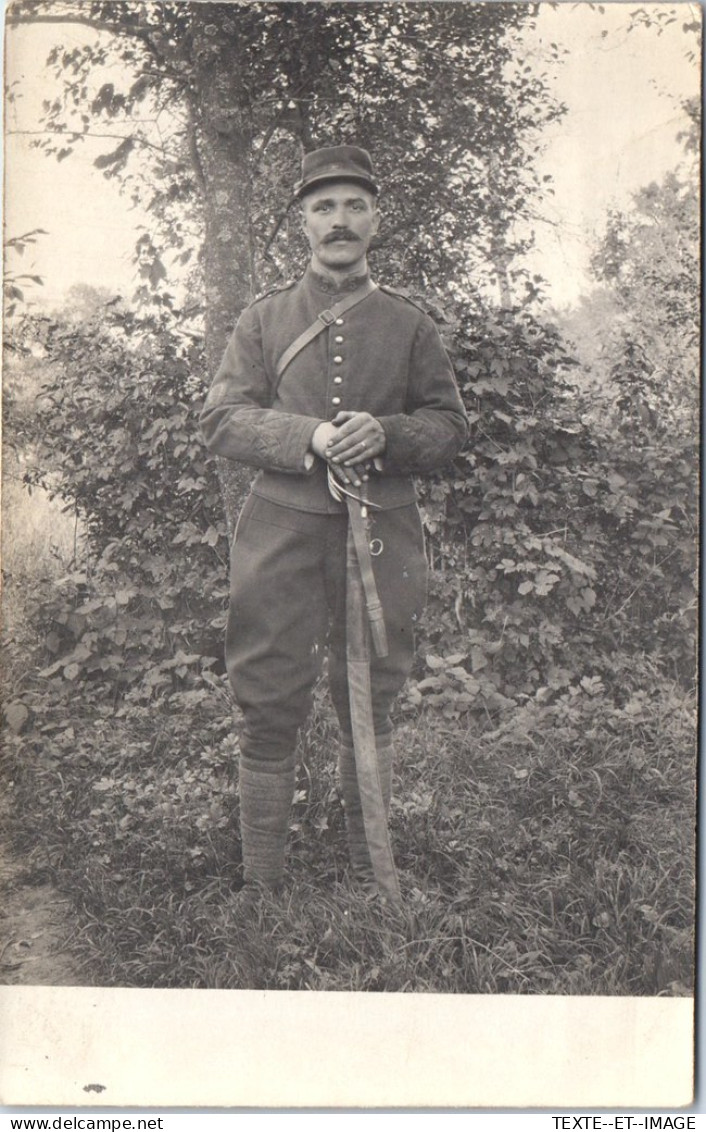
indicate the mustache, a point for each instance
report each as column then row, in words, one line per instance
column 344, row 234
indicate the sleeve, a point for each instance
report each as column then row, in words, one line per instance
column 237, row 421
column 435, row 426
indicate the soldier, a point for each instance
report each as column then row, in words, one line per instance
column 339, row 391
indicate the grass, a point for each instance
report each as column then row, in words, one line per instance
column 548, row 851
column 39, row 539
column 551, row 854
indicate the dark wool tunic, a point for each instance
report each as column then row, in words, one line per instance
column 383, row 357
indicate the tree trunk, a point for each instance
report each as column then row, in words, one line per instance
column 221, row 149
column 499, row 253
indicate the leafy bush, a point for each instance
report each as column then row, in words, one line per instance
column 115, row 435
column 565, row 533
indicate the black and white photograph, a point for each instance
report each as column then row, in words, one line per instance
column 350, row 530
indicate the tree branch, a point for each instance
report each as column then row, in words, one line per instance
column 76, row 135
column 194, row 149
column 84, row 21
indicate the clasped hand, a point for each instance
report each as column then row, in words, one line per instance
column 350, row 442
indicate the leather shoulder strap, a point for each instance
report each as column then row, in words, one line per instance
column 402, row 296
column 276, row 290
column 323, row 319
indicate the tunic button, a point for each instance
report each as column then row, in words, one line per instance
column 338, row 359
column 338, row 338
column 335, row 400
column 337, row 380
column 339, row 322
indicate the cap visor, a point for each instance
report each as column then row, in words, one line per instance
column 325, row 178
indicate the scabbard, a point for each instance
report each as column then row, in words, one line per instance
column 358, row 533
column 363, row 729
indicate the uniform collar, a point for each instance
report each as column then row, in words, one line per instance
column 330, row 286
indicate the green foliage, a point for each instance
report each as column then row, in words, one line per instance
column 13, row 281
column 565, row 532
column 115, row 437
column 551, row 854
column 651, row 347
column 432, row 89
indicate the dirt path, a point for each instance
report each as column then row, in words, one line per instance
column 35, row 924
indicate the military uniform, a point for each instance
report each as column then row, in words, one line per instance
column 288, row 558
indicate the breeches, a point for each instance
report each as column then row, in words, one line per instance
column 288, row 603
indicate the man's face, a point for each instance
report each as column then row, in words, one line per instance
column 339, row 219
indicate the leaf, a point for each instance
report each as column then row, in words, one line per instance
column 16, row 716
column 104, row 784
column 116, row 157
column 157, row 272
column 428, row 682
column 478, row 659
column 544, row 582
column 592, row 685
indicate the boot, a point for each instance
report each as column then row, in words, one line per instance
column 266, row 792
column 361, row 865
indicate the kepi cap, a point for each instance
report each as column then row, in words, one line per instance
column 336, row 163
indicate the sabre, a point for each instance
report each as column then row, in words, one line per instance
column 365, row 621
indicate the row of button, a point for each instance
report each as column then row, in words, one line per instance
column 338, row 380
